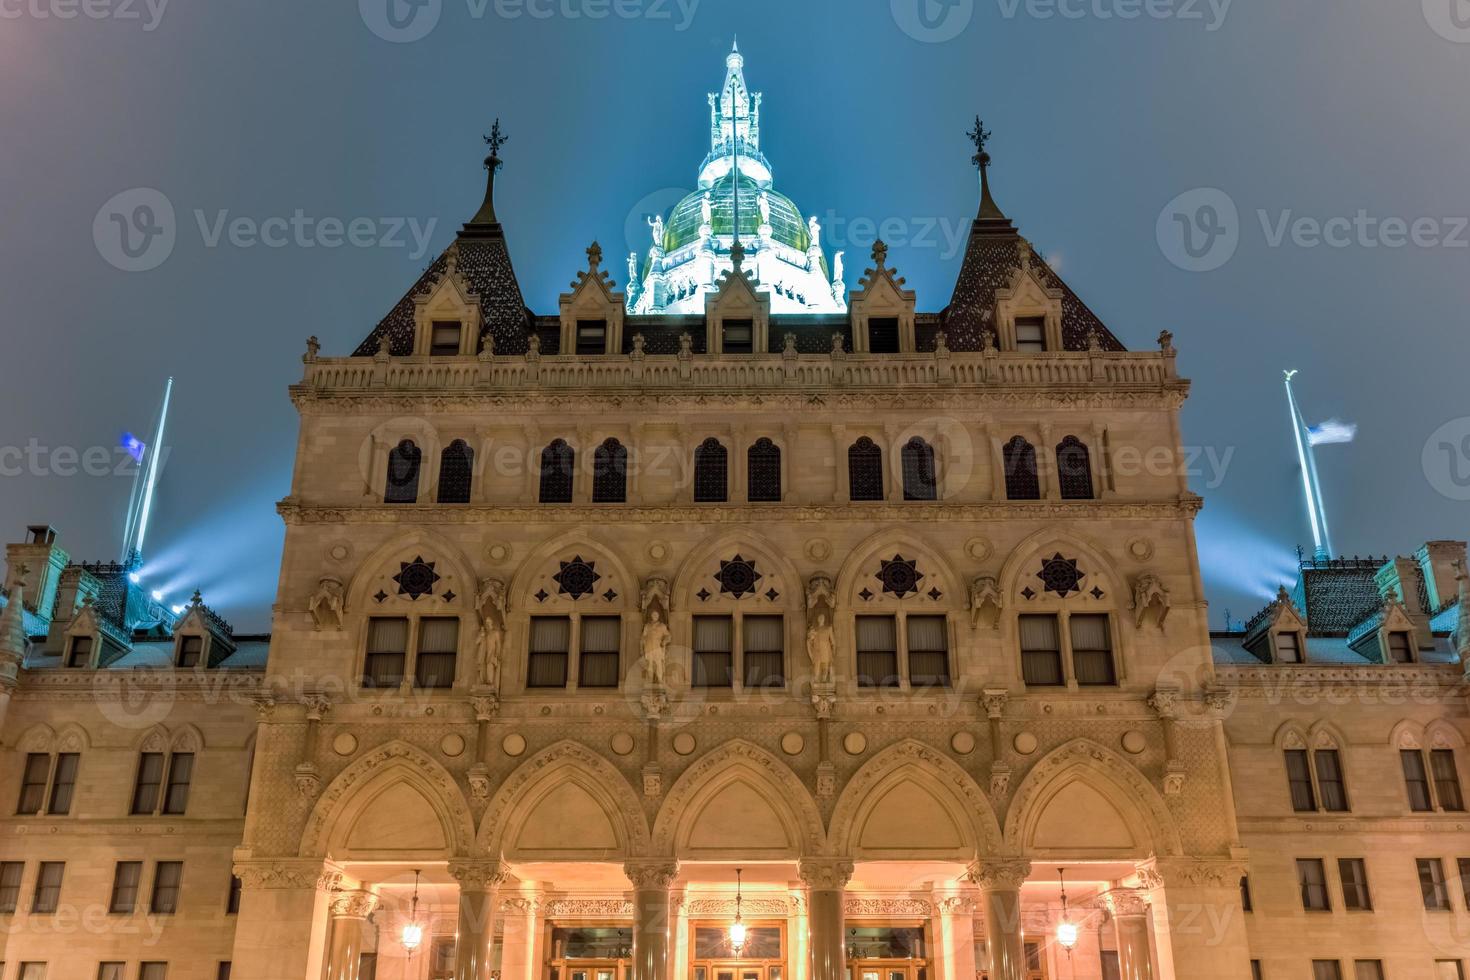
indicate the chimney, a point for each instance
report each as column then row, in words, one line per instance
column 43, row 561
column 1436, row 559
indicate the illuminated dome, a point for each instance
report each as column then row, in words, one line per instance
column 690, row 247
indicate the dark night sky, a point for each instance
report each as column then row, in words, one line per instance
column 1315, row 108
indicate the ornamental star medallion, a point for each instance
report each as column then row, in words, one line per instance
column 576, row 578
column 1060, row 575
column 416, row 578
column 900, row 576
column 737, row 577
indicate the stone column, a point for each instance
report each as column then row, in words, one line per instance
column 350, row 910
column 281, row 930
column 826, row 879
column 798, row 932
column 956, row 937
column 1199, row 926
column 651, row 922
column 1000, row 883
column 478, row 884
column 518, row 949
column 1130, row 922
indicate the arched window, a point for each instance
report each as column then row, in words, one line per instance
column 764, row 476
column 865, row 470
column 456, row 472
column 918, row 471
column 403, row 473
column 610, row 473
column 1074, row 469
column 557, row 461
column 711, row 473
column 1020, row 465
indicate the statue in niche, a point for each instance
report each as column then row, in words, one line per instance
column 656, row 638
column 985, row 603
column 490, row 605
column 1150, row 600
column 821, row 646
column 490, row 602
column 327, row 605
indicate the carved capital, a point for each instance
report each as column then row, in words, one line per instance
column 286, row 874
column 1163, row 701
column 316, row 705
column 1000, row 873
column 478, row 875
column 308, row 780
column 653, row 781
column 479, row 777
column 1220, row 701
column 1000, row 780
column 486, row 707
column 265, row 706
column 825, row 874
column 651, row 875
column 1195, row 872
column 353, row 904
column 1127, row 901
column 824, row 699
column 994, row 702
column 1174, row 779
column 826, row 780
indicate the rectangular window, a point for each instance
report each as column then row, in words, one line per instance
column 1449, row 970
column 1326, row 970
column 1299, row 779
column 126, row 877
column 153, row 971
column 601, row 643
column 232, row 901
column 190, row 649
column 1416, row 780
column 387, row 652
column 32, row 971
column 883, row 335
column 1399, row 649
column 166, row 878
column 928, row 638
column 48, row 886
column 1329, row 780
column 763, row 656
column 444, row 340
column 713, row 651
column 223, row 973
column 1446, row 779
column 877, row 651
column 64, row 783
column 1312, row 877
column 1367, row 970
column 1247, row 904
column 33, row 784
column 438, row 646
column 110, row 971
column 1464, row 866
column 1030, row 333
column 591, row 336
column 1041, row 651
column 739, row 337
column 1431, row 884
column 551, row 640
column 1092, row 651
column 1354, row 874
column 79, row 653
column 1288, row 648
column 1256, row 973
column 149, row 782
column 180, row 772
column 10, row 875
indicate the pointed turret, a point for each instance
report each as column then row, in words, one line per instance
column 485, row 218
column 13, row 640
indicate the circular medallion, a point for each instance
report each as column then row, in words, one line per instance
column 499, row 552
column 339, row 552
column 622, row 743
column 978, row 548
column 963, row 743
column 792, row 743
column 1134, row 742
column 854, row 743
column 1142, row 549
column 817, row 549
column 513, row 744
column 658, row 551
column 684, row 743
column 1025, row 743
column 452, row 745
column 345, row 743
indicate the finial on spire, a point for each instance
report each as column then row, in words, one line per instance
column 594, row 256
column 737, row 253
column 496, row 139
column 980, row 136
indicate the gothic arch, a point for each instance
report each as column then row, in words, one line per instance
column 751, row 787
column 858, row 569
column 697, row 567
column 1407, row 734
column 72, row 737
column 1440, row 734
column 922, row 781
column 186, row 738
column 421, row 799
column 1020, row 566
column 450, row 561
column 40, row 737
column 1325, row 735
column 590, row 784
column 1290, row 735
column 522, row 583
column 155, row 739
column 1129, row 818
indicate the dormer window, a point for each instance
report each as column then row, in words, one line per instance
column 445, row 339
column 738, row 337
column 883, row 335
column 591, row 336
column 191, row 648
column 1031, row 333
column 1400, row 649
column 79, row 653
column 1288, row 648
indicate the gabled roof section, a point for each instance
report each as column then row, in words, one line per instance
column 483, row 260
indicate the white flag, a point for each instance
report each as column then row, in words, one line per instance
column 1330, row 432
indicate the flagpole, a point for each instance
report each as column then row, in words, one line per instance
column 1311, row 485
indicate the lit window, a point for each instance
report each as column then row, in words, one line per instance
column 176, row 794
column 1432, row 884
column 1446, row 779
column 48, row 887
column 1031, row 333
column 877, row 651
column 1312, row 878
column 125, row 879
column 167, row 876
column 1354, row 874
column 10, row 875
column 63, row 783
column 387, row 652
column 1299, row 779
column 445, row 340
column 1092, row 650
column 928, row 639
column 591, row 336
column 598, row 663
column 437, row 653
column 1329, row 780
column 739, row 337
column 1041, row 651
column 1416, row 780
column 714, row 645
column 33, row 784
column 551, row 642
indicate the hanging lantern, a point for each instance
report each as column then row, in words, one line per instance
column 1066, row 929
column 413, row 933
column 737, row 928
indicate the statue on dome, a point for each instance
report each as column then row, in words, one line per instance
column 814, row 228
column 632, row 269
column 764, row 203
column 707, row 210
column 656, row 224
column 837, row 267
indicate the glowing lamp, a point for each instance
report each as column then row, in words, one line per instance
column 134, row 577
column 737, row 928
column 178, row 608
column 413, row 933
column 1066, row 929
column 157, row 596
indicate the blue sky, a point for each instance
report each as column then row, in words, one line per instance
column 1350, row 115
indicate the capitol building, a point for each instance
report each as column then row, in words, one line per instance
column 728, row 623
